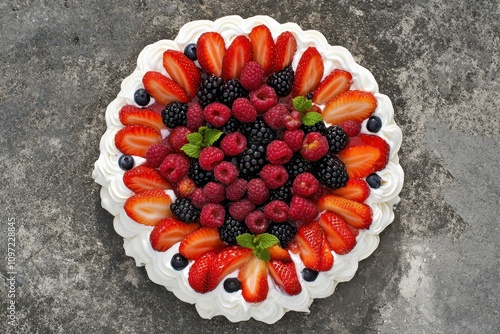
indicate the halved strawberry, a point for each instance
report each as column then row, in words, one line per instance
column 338, row 233
column 310, row 238
column 142, row 178
column 285, row 276
column 237, row 55
column 136, row 139
column 228, row 260
column 326, row 262
column 182, row 70
column 278, row 253
column 284, row 51
column 168, row 232
column 358, row 215
column 338, row 81
column 360, row 161
column 199, row 272
column 381, row 145
column 253, row 278
column 210, row 50
column 163, row 89
column 203, row 240
column 353, row 105
column 356, row 189
column 263, row 46
column 149, row 207
column 132, row 115
column 308, row 73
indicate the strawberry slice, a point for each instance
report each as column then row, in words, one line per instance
column 163, row 89
column 285, row 276
column 310, row 238
column 253, row 278
column 263, row 46
column 352, row 105
column 210, row 50
column 237, row 55
column 332, row 85
column 338, row 233
column 149, row 207
column 168, row 232
column 356, row 189
column 326, row 262
column 361, row 161
column 278, row 253
column 381, row 145
column 308, row 73
column 199, row 272
column 203, row 240
column 358, row 215
column 284, row 51
column 228, row 260
column 182, row 70
column 142, row 178
column 130, row 115
column 136, row 139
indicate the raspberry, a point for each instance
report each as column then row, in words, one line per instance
column 275, row 117
column 240, row 209
column 274, row 176
column 195, row 117
column 243, row 110
column 174, row 167
column 198, row 199
column 217, row 114
column 257, row 222
column 225, row 172
column 294, row 139
column 233, row 144
column 263, row 98
column 209, row 157
column 230, row 91
column 156, row 154
column 236, row 189
column 305, row 185
column 293, row 121
column 212, row 215
column 257, row 191
column 276, row 211
column 302, row 210
column 185, row 187
column 351, row 128
column 178, row 137
column 214, row 192
column 314, row 146
column 278, row 152
column 252, row 76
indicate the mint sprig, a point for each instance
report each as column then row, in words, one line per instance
column 198, row 140
column 307, row 117
column 259, row 244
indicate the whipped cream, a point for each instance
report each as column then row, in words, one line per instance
column 114, row 193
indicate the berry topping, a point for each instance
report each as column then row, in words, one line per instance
column 231, row 229
column 275, row 117
column 199, row 175
column 351, row 128
column 308, row 73
column 309, row 275
column 243, row 110
column 198, row 199
column 217, row 114
column 253, row 278
column 317, row 127
column 210, row 90
column 358, row 215
column 297, row 165
column 156, row 154
column 179, row 262
column 305, row 185
column 252, row 76
column 225, row 172
column 237, row 55
column 331, row 172
column 337, row 139
column 233, row 144
column 353, row 105
column 168, row 232
column 232, row 284
column 182, row 70
column 141, row 97
column 294, row 139
column 257, row 222
column 185, row 187
column 314, row 146
column 228, row 260
column 263, row 98
column 212, row 215
column 148, row 207
column 284, row 51
column 240, row 209
column 332, row 85
column 210, row 156
column 355, row 189
column 263, row 46
column 136, row 139
column 374, row 180
column 163, row 89
column 175, row 114
column 374, row 124
column 282, row 81
column 252, row 160
column 302, row 210
column 203, row 240
column 274, row 176
column 338, row 234
column 257, row 191
column 285, row 232
column 278, row 152
column 368, row 155
column 199, row 272
column 230, row 91
column 184, row 210
column 236, row 190
column 258, row 132
column 284, row 275
column 276, row 211
column 194, row 116
column 142, row 178
column 126, row 162
column 178, row 138
column 315, row 252
column 175, row 167
column 190, row 51
column 210, row 50
column 282, row 193
column 214, row 192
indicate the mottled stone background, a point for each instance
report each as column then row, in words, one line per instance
column 436, row 269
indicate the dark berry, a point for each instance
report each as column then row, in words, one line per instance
column 230, row 91
column 310, row 95
column 337, row 139
column 184, row 210
column 200, row 176
column 309, row 275
column 282, row 81
column 126, row 162
column 210, row 89
column 318, row 127
column 175, row 114
column 141, row 97
column 190, row 51
column 285, row 232
column 231, row 229
column 232, row 125
column 374, row 124
column 232, row 284
column 297, row 165
column 179, row 262
column 252, row 160
column 331, row 171
column 282, row 194
column 374, row 180
column 258, row 132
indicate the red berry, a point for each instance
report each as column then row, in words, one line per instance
column 233, row 144
column 257, row 222
column 293, row 121
column 236, row 189
column 276, row 211
column 240, row 209
column 198, row 199
column 252, row 76
column 217, row 114
column 209, row 157
column 195, row 117
column 178, row 137
column 214, row 192
column 274, row 176
column 294, row 139
column 263, row 98
column 278, row 152
column 212, row 215
column 174, row 167
column 243, row 110
column 257, row 191
column 351, row 128
column 225, row 172
column 156, row 154
column 185, row 187
column 314, row 146
column 302, row 210
column 305, row 185
column 275, row 117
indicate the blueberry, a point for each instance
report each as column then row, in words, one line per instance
column 126, row 162
column 309, row 274
column 141, row 97
column 190, row 51
column 374, row 124
column 374, row 180
column 232, row 284
column 179, row 262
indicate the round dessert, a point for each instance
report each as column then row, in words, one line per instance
column 249, row 166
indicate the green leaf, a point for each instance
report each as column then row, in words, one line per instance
column 267, row 240
column 211, row 136
column 246, row 240
column 301, row 104
column 195, row 138
column 191, row 150
column 262, row 254
column 311, row 118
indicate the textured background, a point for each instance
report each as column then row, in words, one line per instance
column 436, row 269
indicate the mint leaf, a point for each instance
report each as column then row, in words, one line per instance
column 267, row 240
column 311, row 118
column 301, row 104
column 210, row 136
column 191, row 150
column 246, row 240
column 195, row 138
column 262, row 254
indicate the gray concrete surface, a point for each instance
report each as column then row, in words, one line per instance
column 437, row 268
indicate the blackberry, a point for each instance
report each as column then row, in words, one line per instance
column 331, row 171
column 252, row 160
column 210, row 89
column 296, row 166
column 285, row 232
column 258, row 132
column 184, row 210
column 337, row 139
column 200, row 176
column 282, row 81
column 230, row 91
column 318, row 127
column 231, row 229
column 174, row 115
column 282, row 193
column 232, row 125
